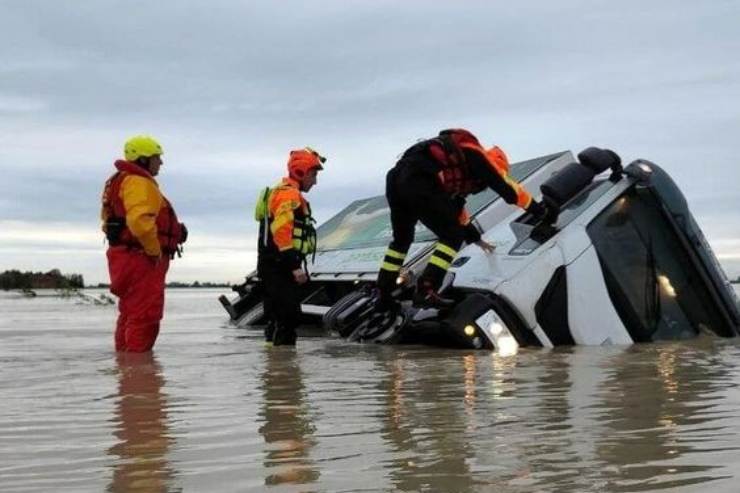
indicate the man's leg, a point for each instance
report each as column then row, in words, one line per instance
column 403, row 223
column 145, row 303
column 288, row 316
column 438, row 212
column 120, row 336
column 267, row 277
column 120, row 278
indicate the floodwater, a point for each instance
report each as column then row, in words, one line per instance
column 214, row 410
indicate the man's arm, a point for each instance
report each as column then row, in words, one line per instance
column 511, row 191
column 472, row 235
column 142, row 202
column 282, row 205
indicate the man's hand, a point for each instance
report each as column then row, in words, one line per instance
column 537, row 210
column 485, row 246
column 300, row 276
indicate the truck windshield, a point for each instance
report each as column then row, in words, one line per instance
column 654, row 285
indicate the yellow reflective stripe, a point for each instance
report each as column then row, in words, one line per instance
column 395, row 254
column 303, row 246
column 297, row 231
column 279, row 222
column 390, row 267
column 445, row 249
column 442, row 264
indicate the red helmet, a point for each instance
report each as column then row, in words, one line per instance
column 301, row 161
column 460, row 137
column 464, row 139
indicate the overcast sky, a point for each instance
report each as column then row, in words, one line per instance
column 230, row 87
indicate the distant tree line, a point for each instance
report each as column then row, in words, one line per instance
column 15, row 279
column 198, row 284
column 176, row 284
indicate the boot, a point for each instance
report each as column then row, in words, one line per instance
column 269, row 331
column 426, row 296
column 283, row 336
column 385, row 302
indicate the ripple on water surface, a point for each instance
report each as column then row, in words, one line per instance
column 214, row 410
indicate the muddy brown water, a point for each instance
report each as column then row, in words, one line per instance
column 214, row 410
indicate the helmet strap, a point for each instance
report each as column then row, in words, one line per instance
column 143, row 162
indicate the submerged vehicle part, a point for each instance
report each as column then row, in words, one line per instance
column 619, row 259
column 624, row 262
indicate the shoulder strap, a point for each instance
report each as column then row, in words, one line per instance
column 262, row 214
column 447, row 141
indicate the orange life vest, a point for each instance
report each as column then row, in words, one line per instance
column 285, row 220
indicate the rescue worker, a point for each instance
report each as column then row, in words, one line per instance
column 143, row 234
column 429, row 184
column 287, row 236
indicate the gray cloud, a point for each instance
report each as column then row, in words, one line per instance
column 230, row 87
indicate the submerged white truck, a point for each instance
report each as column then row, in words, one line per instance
column 622, row 261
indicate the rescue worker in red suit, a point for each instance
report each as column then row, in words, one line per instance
column 144, row 234
column 287, row 237
column 429, row 184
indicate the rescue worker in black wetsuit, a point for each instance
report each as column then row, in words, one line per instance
column 429, row 184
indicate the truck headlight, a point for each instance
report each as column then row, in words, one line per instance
column 497, row 333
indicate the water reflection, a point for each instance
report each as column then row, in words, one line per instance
column 287, row 429
column 141, row 427
column 659, row 407
column 426, row 421
column 616, row 419
column 542, row 392
column 644, row 418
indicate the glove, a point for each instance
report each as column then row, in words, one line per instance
column 472, row 234
column 291, row 259
column 183, row 233
column 537, row 210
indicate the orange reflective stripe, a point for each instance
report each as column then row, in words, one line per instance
column 284, row 199
column 281, row 228
column 497, row 157
column 523, row 198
